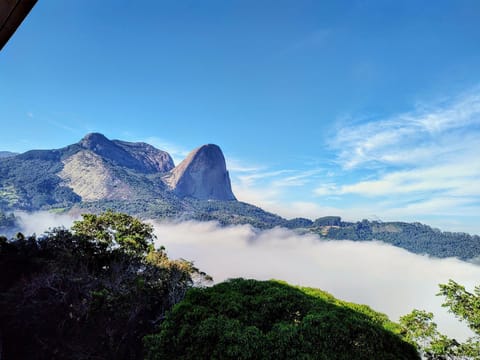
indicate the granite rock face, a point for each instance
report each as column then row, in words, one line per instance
column 202, row 175
column 98, row 169
column 151, row 158
column 140, row 157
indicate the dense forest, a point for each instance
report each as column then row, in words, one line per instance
column 91, row 292
column 249, row 319
column 414, row 237
column 100, row 290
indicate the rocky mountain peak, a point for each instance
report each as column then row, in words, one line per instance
column 152, row 159
column 202, row 175
column 93, row 141
column 137, row 156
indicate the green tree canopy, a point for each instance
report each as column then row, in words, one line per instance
column 420, row 329
column 116, row 230
column 249, row 319
column 89, row 293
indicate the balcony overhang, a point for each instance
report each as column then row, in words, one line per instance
column 12, row 13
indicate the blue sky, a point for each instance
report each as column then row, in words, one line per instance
column 365, row 109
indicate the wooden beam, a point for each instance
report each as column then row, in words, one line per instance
column 12, row 13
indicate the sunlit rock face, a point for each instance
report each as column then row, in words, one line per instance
column 202, row 175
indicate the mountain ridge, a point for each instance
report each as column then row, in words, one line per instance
column 96, row 174
column 96, row 168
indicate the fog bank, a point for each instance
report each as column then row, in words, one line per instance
column 41, row 221
column 387, row 278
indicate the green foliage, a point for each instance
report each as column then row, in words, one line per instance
column 7, row 222
column 116, row 230
column 463, row 304
column 29, row 182
column 328, row 221
column 89, row 293
column 297, row 223
column 248, row 319
column 420, row 329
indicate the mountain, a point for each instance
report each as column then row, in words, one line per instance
column 4, row 154
column 202, row 175
column 96, row 174
column 99, row 169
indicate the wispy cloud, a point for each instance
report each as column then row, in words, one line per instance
column 300, row 178
column 254, row 176
column 421, row 163
column 417, row 166
column 235, row 165
column 453, row 179
column 267, row 187
column 407, row 139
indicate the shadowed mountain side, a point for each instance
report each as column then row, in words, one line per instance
column 136, row 156
column 5, row 154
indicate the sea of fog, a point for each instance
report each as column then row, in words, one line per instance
column 387, row 278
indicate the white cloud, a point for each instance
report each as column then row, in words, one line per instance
column 416, row 136
column 455, row 178
column 412, row 166
column 254, row 176
column 41, row 221
column 388, row 279
column 265, row 197
column 299, row 178
column 238, row 166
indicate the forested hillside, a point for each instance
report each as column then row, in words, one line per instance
column 97, row 290
column 249, row 319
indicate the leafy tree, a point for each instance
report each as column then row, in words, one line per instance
column 91, row 292
column 420, row 329
column 463, row 304
column 249, row 319
column 116, row 230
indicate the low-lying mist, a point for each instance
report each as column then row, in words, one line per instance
column 41, row 221
column 387, row 278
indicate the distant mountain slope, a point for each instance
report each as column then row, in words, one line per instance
column 4, row 154
column 414, row 237
column 96, row 174
column 97, row 168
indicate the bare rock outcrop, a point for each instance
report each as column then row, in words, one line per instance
column 202, row 175
column 140, row 157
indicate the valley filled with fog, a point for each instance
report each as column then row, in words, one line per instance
column 387, row 278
